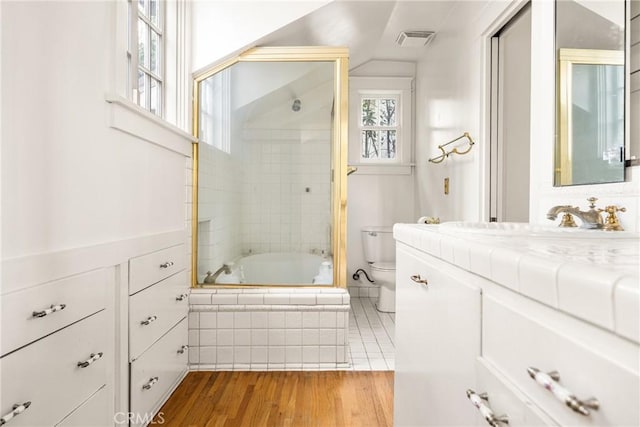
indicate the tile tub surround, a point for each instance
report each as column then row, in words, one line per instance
column 592, row 278
column 269, row 329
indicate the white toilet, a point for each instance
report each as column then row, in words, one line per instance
column 380, row 253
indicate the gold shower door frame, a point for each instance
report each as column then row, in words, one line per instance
column 340, row 57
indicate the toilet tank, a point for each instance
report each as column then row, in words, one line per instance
column 378, row 244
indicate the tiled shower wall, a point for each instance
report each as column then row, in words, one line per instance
column 268, row 329
column 286, row 197
column 219, row 196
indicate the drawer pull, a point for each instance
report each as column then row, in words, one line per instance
column 478, row 401
column 17, row 410
column 182, row 349
column 416, row 278
column 550, row 382
column 182, row 297
column 166, row 264
column 92, row 358
column 150, row 384
column 150, row 319
column 49, row 310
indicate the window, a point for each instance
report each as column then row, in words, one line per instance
column 379, row 127
column 380, row 124
column 146, row 54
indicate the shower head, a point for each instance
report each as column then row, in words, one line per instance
column 297, row 104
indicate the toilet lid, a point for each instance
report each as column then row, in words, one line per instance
column 383, row 266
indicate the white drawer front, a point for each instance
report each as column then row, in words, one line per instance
column 505, row 399
column 46, row 373
column 72, row 299
column 151, row 268
column 514, row 342
column 153, row 311
column 95, row 412
column 157, row 370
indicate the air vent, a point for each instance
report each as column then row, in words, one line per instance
column 414, row 38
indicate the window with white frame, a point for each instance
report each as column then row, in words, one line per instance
column 379, row 127
column 146, row 54
column 380, row 124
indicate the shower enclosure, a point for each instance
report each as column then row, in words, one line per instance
column 269, row 195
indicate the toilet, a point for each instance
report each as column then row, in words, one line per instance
column 380, row 253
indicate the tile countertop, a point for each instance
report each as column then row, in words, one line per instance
column 592, row 277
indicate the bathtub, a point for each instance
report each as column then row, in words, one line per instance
column 280, row 268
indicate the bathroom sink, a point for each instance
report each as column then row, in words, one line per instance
column 532, row 230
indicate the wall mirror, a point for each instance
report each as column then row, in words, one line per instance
column 590, row 112
column 270, row 169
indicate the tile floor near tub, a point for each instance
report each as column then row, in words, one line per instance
column 371, row 342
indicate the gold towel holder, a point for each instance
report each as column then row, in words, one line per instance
column 445, row 154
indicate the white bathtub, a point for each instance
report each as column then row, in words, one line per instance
column 281, row 268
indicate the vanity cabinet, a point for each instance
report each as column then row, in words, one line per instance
column 471, row 349
column 54, row 364
column 158, row 308
column 437, row 342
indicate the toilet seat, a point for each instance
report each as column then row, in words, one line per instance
column 383, row 266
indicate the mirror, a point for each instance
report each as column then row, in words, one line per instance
column 590, row 130
column 270, row 127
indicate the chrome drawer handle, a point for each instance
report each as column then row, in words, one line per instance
column 166, row 264
column 150, row 384
column 92, row 358
column 17, row 410
column 49, row 310
column 550, row 382
column 183, row 349
column 478, row 401
column 416, row 278
column 182, row 297
column 150, row 319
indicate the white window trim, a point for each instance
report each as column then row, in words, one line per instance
column 173, row 131
column 379, row 86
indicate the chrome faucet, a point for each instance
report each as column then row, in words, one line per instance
column 211, row 278
column 591, row 219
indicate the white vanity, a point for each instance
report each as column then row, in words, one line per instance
column 539, row 325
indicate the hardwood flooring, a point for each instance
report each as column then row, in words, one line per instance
column 291, row 398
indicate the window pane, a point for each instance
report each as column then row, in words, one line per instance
column 153, row 11
column 369, row 111
column 143, row 43
column 155, row 52
column 387, row 144
column 154, row 105
column 370, row 144
column 141, row 6
column 142, row 93
column 387, row 112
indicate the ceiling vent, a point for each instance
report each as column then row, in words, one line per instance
column 414, row 38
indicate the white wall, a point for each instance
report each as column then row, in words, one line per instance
column 451, row 99
column 376, row 199
column 69, row 179
column 221, row 28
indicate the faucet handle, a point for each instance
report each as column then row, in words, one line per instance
column 592, row 202
column 567, row 221
column 611, row 222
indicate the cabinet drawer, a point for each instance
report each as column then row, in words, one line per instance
column 514, row 341
column 151, row 268
column 28, row 315
column 504, row 399
column 155, row 373
column 95, row 412
column 46, row 373
column 153, row 311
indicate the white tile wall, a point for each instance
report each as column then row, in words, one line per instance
column 286, row 195
column 219, row 196
column 287, row 329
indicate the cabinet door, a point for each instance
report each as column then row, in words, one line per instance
column 437, row 342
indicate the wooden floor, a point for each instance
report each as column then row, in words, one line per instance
column 292, row 398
